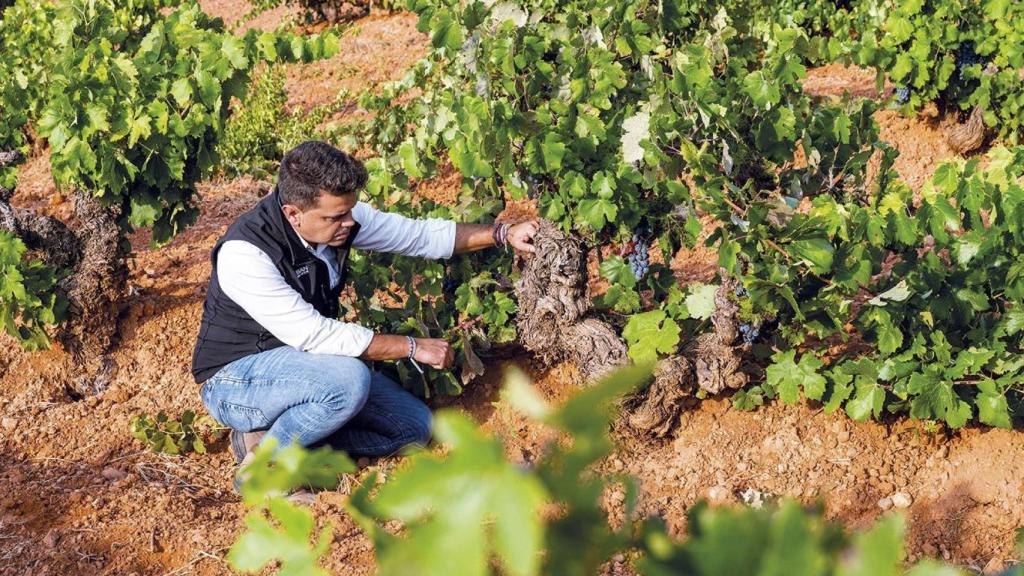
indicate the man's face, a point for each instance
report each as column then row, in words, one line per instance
column 329, row 222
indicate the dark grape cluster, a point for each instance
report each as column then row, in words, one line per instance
column 448, row 286
column 966, row 56
column 750, row 332
column 639, row 261
column 902, row 94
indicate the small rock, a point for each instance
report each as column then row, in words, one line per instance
column 363, row 462
column 902, row 500
column 885, row 503
column 843, row 435
column 930, row 549
column 113, row 474
column 719, row 495
column 8, row 423
column 755, row 498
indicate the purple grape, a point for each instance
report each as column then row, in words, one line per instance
column 902, row 94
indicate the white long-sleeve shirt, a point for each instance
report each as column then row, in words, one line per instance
column 249, row 277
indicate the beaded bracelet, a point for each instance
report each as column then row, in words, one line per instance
column 500, row 235
column 412, row 353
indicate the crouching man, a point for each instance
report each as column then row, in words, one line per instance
column 273, row 358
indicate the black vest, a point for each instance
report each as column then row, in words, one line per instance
column 227, row 332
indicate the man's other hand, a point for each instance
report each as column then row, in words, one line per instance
column 521, row 236
column 434, row 352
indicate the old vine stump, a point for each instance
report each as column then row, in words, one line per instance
column 94, row 257
column 556, row 324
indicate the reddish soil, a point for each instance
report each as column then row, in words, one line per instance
column 837, row 80
column 79, row 495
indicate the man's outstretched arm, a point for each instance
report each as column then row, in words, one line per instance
column 432, row 237
column 471, row 237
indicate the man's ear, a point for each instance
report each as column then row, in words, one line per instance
column 292, row 213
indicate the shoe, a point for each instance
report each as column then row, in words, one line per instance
column 302, row 497
column 242, row 443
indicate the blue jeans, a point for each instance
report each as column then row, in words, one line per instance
column 317, row 399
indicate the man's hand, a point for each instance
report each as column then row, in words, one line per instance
column 521, row 236
column 434, row 352
column 430, row 351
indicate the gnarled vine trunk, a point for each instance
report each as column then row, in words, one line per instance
column 335, row 11
column 555, row 323
column 94, row 287
column 554, row 302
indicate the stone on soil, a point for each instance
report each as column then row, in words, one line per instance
column 902, row 500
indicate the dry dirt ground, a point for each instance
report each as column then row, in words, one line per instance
column 79, row 496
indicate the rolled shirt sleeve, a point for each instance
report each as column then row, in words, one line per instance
column 249, row 277
column 432, row 238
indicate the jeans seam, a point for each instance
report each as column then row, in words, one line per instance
column 226, row 406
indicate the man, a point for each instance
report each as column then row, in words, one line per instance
column 274, row 360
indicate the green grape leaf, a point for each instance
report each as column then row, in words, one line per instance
column 597, row 212
column 841, row 389
column 553, row 150
column 936, row 400
column 263, row 543
column 636, row 129
column 234, row 50
column 866, row 402
column 818, row 252
column 181, row 89
column 787, row 377
column 701, row 301
column 273, row 473
column 795, row 544
column 649, row 334
column 616, row 270
column 477, row 503
column 992, row 405
column 877, row 552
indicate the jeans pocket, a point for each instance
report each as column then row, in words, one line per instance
column 242, row 418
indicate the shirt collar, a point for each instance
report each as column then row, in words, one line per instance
column 320, row 249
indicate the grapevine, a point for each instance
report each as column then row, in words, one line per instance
column 604, row 169
column 131, row 130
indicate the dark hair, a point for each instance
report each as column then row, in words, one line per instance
column 315, row 167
